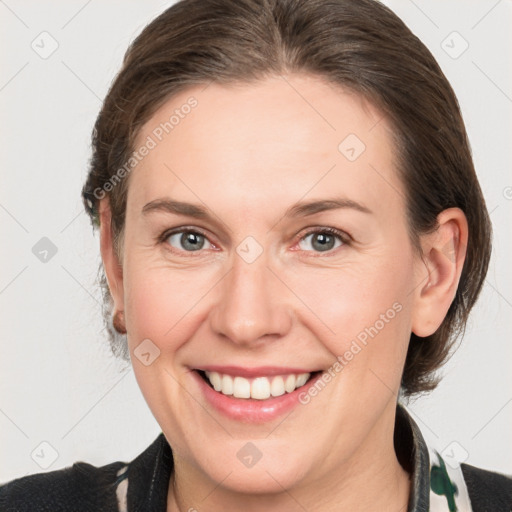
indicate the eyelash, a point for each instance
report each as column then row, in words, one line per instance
column 342, row 236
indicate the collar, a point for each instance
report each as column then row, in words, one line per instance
column 436, row 486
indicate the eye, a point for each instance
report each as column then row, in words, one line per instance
column 323, row 240
column 191, row 240
column 186, row 240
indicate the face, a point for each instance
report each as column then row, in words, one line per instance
column 294, row 263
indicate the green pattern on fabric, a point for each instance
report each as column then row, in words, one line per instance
column 441, row 484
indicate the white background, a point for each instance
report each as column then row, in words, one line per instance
column 58, row 382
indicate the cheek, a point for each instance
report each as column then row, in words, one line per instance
column 362, row 311
column 149, row 306
column 162, row 307
column 162, row 303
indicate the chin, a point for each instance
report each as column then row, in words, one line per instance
column 263, row 480
column 243, row 468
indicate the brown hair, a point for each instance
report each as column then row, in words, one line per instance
column 358, row 44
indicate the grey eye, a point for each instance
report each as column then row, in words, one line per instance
column 187, row 240
column 323, row 241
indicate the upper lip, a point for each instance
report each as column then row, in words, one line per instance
column 256, row 371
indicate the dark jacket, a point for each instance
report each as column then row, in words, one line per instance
column 141, row 485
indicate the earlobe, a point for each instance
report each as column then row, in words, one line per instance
column 439, row 271
column 111, row 264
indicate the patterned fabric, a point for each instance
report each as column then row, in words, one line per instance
column 435, row 486
column 141, row 485
column 122, row 489
column 448, row 490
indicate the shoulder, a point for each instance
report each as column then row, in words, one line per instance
column 489, row 491
column 84, row 487
column 81, row 487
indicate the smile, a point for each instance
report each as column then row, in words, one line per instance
column 258, row 388
column 253, row 395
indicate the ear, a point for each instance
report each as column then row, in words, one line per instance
column 438, row 271
column 111, row 264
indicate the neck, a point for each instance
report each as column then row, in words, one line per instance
column 371, row 479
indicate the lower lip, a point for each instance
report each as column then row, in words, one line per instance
column 250, row 410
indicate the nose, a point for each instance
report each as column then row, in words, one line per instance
column 253, row 305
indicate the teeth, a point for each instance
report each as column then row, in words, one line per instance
column 289, row 383
column 216, row 381
column 241, row 387
column 302, row 379
column 259, row 388
column 277, row 386
column 227, row 385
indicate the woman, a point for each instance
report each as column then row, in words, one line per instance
column 292, row 234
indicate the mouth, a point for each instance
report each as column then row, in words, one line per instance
column 263, row 387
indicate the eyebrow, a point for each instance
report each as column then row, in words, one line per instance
column 301, row 209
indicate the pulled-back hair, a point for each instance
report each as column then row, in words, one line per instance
column 360, row 45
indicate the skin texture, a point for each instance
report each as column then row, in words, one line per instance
column 248, row 153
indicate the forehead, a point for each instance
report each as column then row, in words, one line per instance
column 267, row 143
